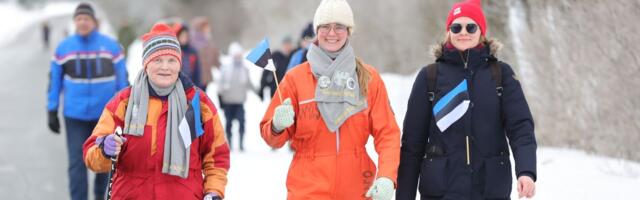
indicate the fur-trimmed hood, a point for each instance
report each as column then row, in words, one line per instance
column 494, row 47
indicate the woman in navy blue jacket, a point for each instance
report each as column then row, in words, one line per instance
column 457, row 135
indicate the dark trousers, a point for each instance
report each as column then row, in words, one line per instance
column 77, row 132
column 234, row 112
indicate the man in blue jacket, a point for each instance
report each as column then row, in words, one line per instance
column 88, row 68
column 299, row 55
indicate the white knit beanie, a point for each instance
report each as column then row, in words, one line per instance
column 334, row 11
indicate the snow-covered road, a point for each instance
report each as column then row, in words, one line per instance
column 33, row 161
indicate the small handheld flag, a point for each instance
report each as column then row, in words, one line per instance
column 190, row 127
column 452, row 106
column 261, row 57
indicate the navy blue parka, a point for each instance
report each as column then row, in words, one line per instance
column 492, row 124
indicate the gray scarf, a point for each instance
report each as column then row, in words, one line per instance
column 176, row 155
column 337, row 91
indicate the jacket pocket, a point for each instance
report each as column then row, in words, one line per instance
column 433, row 176
column 497, row 177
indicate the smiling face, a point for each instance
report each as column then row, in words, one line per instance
column 163, row 70
column 464, row 40
column 332, row 37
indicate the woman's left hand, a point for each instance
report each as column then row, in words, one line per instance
column 382, row 189
column 526, row 187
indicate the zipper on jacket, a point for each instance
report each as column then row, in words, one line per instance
column 469, row 77
column 338, row 141
column 88, row 65
column 335, row 175
column 98, row 63
column 78, row 64
column 468, row 151
column 465, row 61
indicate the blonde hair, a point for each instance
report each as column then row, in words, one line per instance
column 363, row 77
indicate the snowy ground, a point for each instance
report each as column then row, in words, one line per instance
column 562, row 173
column 256, row 173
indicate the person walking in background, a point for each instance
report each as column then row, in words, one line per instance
column 173, row 145
column 299, row 56
column 234, row 86
column 46, row 33
column 280, row 60
column 208, row 54
column 463, row 113
column 190, row 59
column 126, row 36
column 87, row 69
column 332, row 103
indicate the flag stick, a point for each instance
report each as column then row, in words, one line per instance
column 276, row 78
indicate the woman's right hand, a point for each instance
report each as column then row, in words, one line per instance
column 110, row 144
column 283, row 116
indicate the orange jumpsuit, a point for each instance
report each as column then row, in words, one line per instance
column 329, row 165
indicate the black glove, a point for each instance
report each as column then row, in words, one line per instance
column 54, row 123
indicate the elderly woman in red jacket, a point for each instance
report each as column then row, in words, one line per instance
column 173, row 145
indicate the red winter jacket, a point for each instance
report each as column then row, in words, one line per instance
column 139, row 169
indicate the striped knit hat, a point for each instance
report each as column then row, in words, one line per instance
column 161, row 40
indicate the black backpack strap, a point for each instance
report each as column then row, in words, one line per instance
column 432, row 75
column 496, row 74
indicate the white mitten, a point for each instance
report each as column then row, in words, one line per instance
column 283, row 116
column 382, row 189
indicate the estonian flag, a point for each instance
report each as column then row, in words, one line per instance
column 261, row 56
column 452, row 106
column 190, row 127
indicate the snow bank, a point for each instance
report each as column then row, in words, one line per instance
column 16, row 20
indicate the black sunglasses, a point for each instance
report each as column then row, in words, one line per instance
column 457, row 28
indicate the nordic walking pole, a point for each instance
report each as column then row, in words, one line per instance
column 118, row 132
